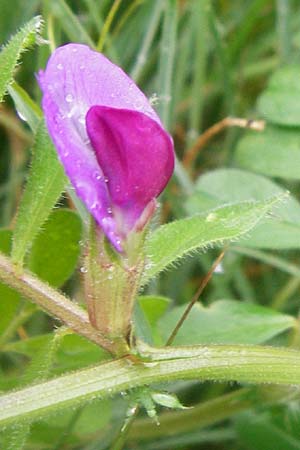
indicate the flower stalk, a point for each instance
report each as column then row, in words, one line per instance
column 111, row 283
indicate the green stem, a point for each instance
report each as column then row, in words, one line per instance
column 251, row 364
column 51, row 301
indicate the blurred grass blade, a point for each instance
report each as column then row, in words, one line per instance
column 11, row 53
column 44, row 186
column 147, row 41
column 177, row 239
column 199, row 25
column 70, row 23
column 166, row 61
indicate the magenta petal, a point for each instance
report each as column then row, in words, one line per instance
column 135, row 154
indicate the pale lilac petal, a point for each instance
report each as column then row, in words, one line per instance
column 80, row 77
column 135, row 154
column 79, row 161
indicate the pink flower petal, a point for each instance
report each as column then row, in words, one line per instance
column 80, row 82
column 135, row 154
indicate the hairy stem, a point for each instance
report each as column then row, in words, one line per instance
column 252, row 364
column 51, row 301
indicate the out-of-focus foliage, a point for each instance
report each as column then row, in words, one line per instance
column 199, row 62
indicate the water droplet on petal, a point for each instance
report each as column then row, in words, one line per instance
column 81, row 67
column 109, row 210
column 138, row 105
column 105, row 179
column 97, row 176
column 69, row 98
column 60, row 66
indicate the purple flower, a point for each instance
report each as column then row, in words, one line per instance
column 109, row 139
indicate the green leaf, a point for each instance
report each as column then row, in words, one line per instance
column 233, row 185
column 9, row 298
column 44, row 186
column 167, row 400
column 55, row 251
column 11, row 53
column 73, row 353
column 148, row 310
column 25, row 106
column 179, row 238
column 153, row 306
column 259, row 432
column 280, row 102
column 274, row 152
column 225, row 322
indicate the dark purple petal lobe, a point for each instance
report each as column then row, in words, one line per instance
column 135, row 154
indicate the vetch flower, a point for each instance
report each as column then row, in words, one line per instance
column 109, row 139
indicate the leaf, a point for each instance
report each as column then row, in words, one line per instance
column 153, row 306
column 274, row 152
column 44, row 186
column 225, row 322
column 148, row 310
column 179, row 238
column 73, row 353
column 280, row 102
column 11, row 53
column 25, row 106
column 167, row 400
column 9, row 299
column 233, row 185
column 55, row 251
column 259, row 432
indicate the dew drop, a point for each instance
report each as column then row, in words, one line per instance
column 211, row 217
column 138, row 105
column 105, row 179
column 69, row 98
column 109, row 210
column 83, row 269
column 60, row 66
column 81, row 67
column 22, row 117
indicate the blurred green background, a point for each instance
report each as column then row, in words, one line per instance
column 199, row 61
